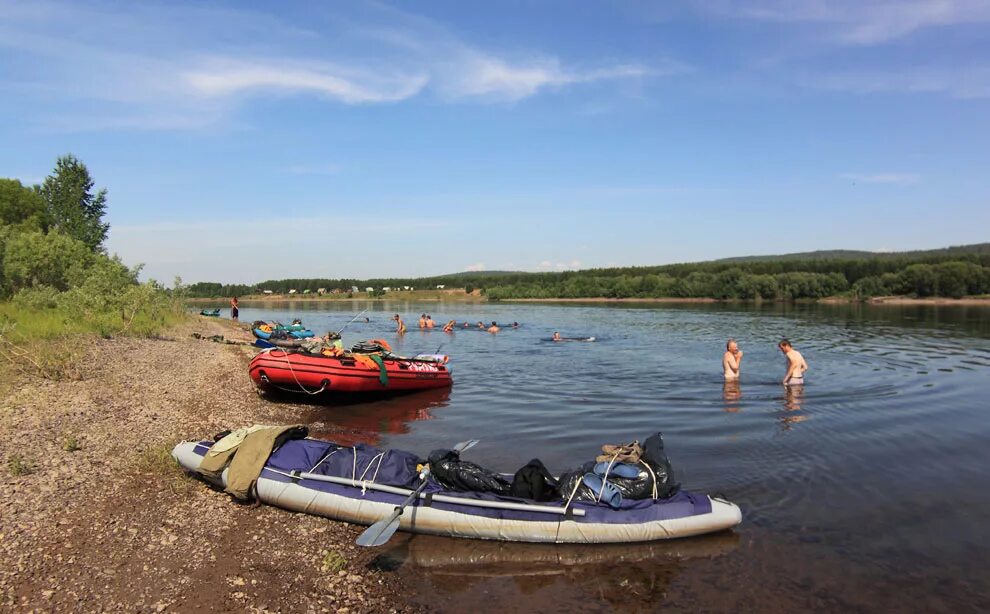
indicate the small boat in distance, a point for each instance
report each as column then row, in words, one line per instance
column 210, row 314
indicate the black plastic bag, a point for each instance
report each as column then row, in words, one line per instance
column 654, row 454
column 452, row 473
column 533, row 481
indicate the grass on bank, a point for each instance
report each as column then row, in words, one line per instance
column 45, row 334
column 156, row 460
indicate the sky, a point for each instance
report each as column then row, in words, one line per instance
column 244, row 141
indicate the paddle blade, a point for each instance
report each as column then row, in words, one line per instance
column 379, row 533
column 466, row 445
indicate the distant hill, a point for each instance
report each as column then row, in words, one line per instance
column 848, row 254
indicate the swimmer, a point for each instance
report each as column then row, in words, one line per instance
column 556, row 336
column 796, row 366
column 494, row 328
column 731, row 360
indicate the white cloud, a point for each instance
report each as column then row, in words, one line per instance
column 547, row 265
column 887, row 178
column 475, row 75
column 858, row 22
column 956, row 81
column 478, row 266
column 226, row 77
column 188, row 67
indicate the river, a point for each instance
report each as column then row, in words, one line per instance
column 868, row 489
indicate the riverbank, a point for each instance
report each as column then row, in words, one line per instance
column 457, row 295
column 95, row 515
column 256, row 301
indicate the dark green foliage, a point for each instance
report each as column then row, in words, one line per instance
column 22, row 207
column 73, row 208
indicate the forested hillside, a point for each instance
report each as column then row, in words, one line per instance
column 951, row 272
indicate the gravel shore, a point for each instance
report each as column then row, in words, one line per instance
column 95, row 516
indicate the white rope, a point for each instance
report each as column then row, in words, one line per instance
column 598, row 499
column 656, row 493
column 285, row 357
column 335, row 450
column 577, row 485
column 379, row 458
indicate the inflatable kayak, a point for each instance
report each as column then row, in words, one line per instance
column 311, row 373
column 363, row 485
column 210, row 314
column 263, row 330
column 571, row 339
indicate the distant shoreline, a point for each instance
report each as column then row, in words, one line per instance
column 460, row 297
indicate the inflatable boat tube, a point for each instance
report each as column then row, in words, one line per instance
column 287, row 482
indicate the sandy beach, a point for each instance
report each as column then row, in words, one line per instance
column 95, row 516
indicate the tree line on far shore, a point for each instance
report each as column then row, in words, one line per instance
column 951, row 272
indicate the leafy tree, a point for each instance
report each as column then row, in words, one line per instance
column 37, row 259
column 72, row 206
column 22, row 206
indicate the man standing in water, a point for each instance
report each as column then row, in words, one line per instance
column 400, row 325
column 731, row 360
column 796, row 366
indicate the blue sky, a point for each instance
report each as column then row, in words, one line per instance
column 244, row 141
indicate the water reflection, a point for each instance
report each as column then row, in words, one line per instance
column 612, row 573
column 793, row 397
column 361, row 421
column 732, row 395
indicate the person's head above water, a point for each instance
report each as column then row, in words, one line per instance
column 731, row 345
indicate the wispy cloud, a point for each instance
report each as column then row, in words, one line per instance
column 858, row 22
column 225, row 77
column 962, row 82
column 548, row 265
column 162, row 73
column 887, row 178
column 478, row 266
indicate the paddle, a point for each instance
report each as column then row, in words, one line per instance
column 383, row 530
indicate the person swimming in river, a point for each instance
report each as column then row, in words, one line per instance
column 796, row 365
column 494, row 328
column 731, row 360
column 515, row 325
column 400, row 325
column 422, row 321
column 556, row 336
column 429, row 321
column 481, row 325
column 449, row 326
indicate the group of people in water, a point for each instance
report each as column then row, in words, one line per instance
column 426, row 322
column 796, row 365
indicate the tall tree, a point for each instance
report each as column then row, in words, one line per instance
column 72, row 206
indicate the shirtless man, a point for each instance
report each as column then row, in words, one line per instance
column 400, row 325
column 731, row 360
column 556, row 336
column 796, row 366
column 422, row 321
column 429, row 321
column 494, row 328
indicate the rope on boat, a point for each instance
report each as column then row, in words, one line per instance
column 285, row 357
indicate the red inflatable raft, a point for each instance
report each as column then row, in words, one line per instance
column 312, row 373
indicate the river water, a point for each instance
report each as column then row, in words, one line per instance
column 868, row 489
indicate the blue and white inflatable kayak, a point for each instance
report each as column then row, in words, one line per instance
column 362, row 485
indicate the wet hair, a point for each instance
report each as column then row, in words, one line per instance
column 784, row 343
column 729, row 342
column 493, row 323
